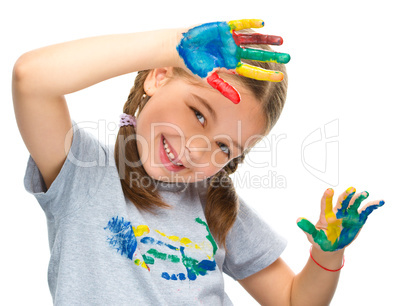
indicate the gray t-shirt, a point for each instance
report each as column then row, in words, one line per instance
column 104, row 251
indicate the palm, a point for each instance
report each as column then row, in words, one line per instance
column 209, row 46
column 338, row 227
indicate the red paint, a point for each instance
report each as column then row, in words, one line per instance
column 256, row 38
column 224, row 88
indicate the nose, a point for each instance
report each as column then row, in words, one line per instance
column 198, row 149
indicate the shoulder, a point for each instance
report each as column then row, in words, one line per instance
column 252, row 244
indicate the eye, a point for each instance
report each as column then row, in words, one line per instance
column 198, row 115
column 222, row 145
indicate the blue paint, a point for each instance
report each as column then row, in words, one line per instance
column 122, row 239
column 147, row 240
column 208, row 265
column 150, row 240
column 165, row 275
column 352, row 222
column 208, row 46
column 181, row 276
column 365, row 213
column 342, row 212
column 194, row 267
column 211, row 45
column 122, row 236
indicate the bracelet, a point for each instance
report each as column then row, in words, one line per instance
column 343, row 262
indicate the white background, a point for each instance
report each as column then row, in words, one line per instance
column 345, row 69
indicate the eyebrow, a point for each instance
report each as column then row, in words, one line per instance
column 214, row 117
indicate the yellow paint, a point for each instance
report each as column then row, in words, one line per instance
column 173, row 238
column 204, row 246
column 350, row 190
column 141, row 263
column 140, row 230
column 258, row 73
column 334, row 225
column 237, row 25
column 185, row 241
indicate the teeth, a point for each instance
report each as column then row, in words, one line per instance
column 170, row 154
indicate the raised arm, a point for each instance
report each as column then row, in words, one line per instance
column 43, row 76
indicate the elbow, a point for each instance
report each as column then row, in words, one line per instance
column 23, row 75
column 20, row 72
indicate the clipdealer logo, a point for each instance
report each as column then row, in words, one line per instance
column 320, row 153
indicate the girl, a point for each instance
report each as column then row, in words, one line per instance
column 156, row 220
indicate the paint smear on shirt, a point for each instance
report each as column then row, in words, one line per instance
column 123, row 237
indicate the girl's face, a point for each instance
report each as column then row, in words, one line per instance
column 201, row 129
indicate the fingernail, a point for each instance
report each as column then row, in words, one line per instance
column 351, row 189
column 329, row 191
column 365, row 195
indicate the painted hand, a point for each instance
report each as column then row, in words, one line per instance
column 334, row 231
column 216, row 45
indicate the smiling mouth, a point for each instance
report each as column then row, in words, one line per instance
column 170, row 155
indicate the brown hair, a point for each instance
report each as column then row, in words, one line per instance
column 222, row 202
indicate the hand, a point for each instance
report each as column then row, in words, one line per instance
column 215, row 45
column 337, row 229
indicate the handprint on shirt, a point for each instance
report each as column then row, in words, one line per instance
column 124, row 237
column 216, row 45
column 334, row 231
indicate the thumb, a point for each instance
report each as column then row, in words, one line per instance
column 313, row 234
column 307, row 227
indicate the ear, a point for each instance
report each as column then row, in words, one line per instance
column 156, row 78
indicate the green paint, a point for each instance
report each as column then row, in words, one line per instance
column 174, row 258
column 263, row 55
column 209, row 236
column 319, row 236
column 160, row 255
column 352, row 222
column 355, row 206
column 195, row 267
column 157, row 254
column 190, row 263
column 148, row 259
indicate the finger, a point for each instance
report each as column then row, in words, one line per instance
column 319, row 236
column 326, row 206
column 257, row 38
column 307, row 227
column 263, row 55
column 258, row 73
column 356, row 201
column 328, row 217
column 368, row 209
column 343, row 202
column 224, row 88
column 343, row 196
column 241, row 24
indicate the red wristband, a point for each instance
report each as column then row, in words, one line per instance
column 343, row 262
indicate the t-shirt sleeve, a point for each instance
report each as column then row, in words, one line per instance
column 252, row 244
column 77, row 180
